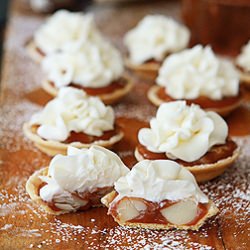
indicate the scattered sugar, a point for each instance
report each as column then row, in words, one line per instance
column 230, row 192
column 6, row 227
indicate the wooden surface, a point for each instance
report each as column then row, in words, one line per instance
column 23, row 225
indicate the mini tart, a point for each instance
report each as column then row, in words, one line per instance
column 34, row 184
column 34, row 52
column 210, row 210
column 109, row 95
column 148, row 70
column 53, row 147
column 157, row 96
column 202, row 171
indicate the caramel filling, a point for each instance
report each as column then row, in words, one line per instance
column 85, row 138
column 152, row 213
column 93, row 199
column 203, row 101
column 216, row 153
column 153, row 61
column 113, row 86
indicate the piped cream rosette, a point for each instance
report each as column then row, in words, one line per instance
column 64, row 31
column 198, row 76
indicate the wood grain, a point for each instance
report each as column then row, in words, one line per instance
column 23, row 225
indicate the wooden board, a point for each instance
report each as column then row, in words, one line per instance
column 23, row 225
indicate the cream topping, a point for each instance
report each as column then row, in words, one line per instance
column 159, row 180
column 198, row 72
column 73, row 110
column 93, row 65
column 183, row 132
column 243, row 59
column 66, row 31
column 154, row 37
column 81, row 170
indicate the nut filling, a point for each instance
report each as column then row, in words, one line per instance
column 139, row 210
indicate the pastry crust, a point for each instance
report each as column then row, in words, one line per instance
column 206, row 172
column 223, row 111
column 147, row 71
column 33, row 53
column 212, row 210
column 110, row 98
column 53, row 147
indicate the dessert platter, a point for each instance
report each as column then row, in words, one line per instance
column 106, row 144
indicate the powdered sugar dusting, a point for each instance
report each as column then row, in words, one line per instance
column 21, row 219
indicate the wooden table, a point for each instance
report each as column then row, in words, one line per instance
column 23, row 225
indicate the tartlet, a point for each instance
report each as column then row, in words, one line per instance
column 242, row 62
column 75, row 30
column 195, row 139
column 96, row 69
column 60, row 125
column 149, row 43
column 197, row 76
column 159, row 195
column 73, row 182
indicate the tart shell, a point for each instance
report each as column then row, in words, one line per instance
column 205, row 172
column 147, row 71
column 110, row 98
column 212, row 210
column 224, row 111
column 53, row 147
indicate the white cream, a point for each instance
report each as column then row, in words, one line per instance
column 159, row 180
column 93, row 65
column 73, row 110
column 154, row 37
column 243, row 59
column 183, row 132
column 198, row 72
column 66, row 31
column 80, row 171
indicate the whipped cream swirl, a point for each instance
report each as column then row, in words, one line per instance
column 66, row 31
column 183, row 132
column 198, row 72
column 93, row 65
column 159, row 180
column 154, row 37
column 243, row 59
column 81, row 170
column 73, row 110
